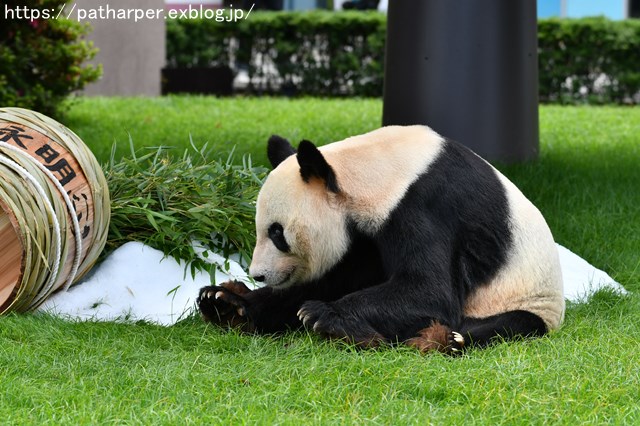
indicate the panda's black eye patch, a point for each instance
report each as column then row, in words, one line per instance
column 276, row 234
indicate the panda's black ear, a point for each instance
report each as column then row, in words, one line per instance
column 278, row 149
column 313, row 165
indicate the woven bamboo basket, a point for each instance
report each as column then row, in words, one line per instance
column 54, row 208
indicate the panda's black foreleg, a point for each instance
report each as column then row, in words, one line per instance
column 330, row 321
column 390, row 312
column 268, row 310
column 481, row 332
column 263, row 310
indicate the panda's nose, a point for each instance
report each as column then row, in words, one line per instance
column 259, row 278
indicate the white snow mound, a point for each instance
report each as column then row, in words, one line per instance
column 136, row 282
column 582, row 279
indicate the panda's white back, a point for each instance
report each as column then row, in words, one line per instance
column 375, row 170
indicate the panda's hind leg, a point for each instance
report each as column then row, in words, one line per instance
column 481, row 332
column 438, row 337
column 478, row 332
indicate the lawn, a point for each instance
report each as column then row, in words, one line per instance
column 241, row 123
column 585, row 183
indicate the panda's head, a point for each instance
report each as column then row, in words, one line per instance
column 301, row 223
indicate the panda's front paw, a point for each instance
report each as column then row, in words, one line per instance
column 329, row 322
column 225, row 305
column 311, row 313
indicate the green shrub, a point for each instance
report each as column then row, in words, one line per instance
column 41, row 61
column 591, row 60
column 197, row 43
column 316, row 53
column 342, row 53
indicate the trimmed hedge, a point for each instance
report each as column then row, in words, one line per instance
column 324, row 53
column 41, row 60
column 313, row 53
column 592, row 60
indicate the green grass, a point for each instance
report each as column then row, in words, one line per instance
column 586, row 183
column 225, row 123
column 84, row 373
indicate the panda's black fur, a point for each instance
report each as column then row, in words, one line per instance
column 408, row 281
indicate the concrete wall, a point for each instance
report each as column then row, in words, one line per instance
column 131, row 52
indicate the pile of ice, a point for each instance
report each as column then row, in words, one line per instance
column 137, row 282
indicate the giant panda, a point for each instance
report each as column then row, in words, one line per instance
column 395, row 236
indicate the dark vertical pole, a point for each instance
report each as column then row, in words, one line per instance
column 469, row 70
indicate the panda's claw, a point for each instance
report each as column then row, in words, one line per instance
column 305, row 320
column 310, row 313
column 218, row 294
column 304, row 316
column 456, row 343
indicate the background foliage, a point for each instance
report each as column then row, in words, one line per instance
column 590, row 60
column 311, row 53
column 42, row 60
column 333, row 54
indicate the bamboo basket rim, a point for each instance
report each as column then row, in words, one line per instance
column 89, row 165
column 16, row 229
column 36, row 211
